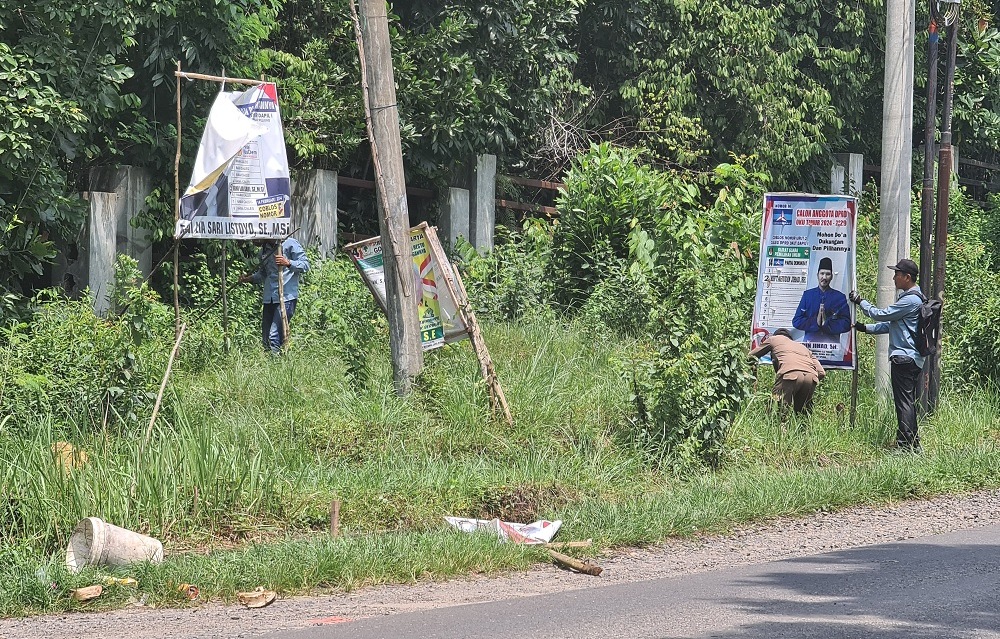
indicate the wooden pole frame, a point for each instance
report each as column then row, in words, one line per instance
column 214, row 78
column 855, row 374
column 401, row 266
column 453, row 280
column 177, row 209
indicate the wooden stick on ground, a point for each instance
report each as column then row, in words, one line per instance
column 575, row 564
column 570, row 544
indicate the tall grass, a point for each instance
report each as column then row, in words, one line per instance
column 257, row 447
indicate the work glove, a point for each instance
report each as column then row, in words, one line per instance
column 854, row 296
column 860, row 327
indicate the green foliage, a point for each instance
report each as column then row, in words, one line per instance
column 691, row 389
column 976, row 103
column 335, row 306
column 85, row 371
column 784, row 82
column 703, row 281
column 972, row 301
column 609, row 193
column 509, row 282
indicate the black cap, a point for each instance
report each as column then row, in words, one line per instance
column 906, row 266
column 825, row 264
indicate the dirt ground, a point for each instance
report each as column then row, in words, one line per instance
column 778, row 539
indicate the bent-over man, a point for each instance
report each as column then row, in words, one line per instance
column 797, row 372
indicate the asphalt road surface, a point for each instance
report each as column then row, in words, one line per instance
column 946, row 586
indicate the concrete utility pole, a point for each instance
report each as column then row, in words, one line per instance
column 394, row 219
column 897, row 151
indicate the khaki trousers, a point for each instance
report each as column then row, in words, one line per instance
column 796, row 390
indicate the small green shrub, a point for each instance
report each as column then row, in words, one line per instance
column 690, row 390
column 83, row 369
column 972, row 300
column 334, row 302
column 609, row 192
column 509, row 282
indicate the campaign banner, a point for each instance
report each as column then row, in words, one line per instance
column 807, row 267
column 240, row 186
column 440, row 322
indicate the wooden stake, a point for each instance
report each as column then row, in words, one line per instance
column 335, row 518
column 163, row 386
column 281, row 299
column 575, row 564
column 453, row 280
column 177, row 211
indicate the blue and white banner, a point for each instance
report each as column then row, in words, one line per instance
column 240, row 186
column 807, row 267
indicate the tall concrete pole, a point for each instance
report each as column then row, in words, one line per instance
column 897, row 152
column 382, row 117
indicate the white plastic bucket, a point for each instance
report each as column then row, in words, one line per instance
column 95, row 542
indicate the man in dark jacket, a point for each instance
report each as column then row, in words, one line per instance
column 900, row 321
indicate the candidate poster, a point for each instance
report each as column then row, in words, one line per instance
column 807, row 268
column 437, row 311
column 240, row 187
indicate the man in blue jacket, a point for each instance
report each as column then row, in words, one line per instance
column 823, row 312
column 293, row 262
column 900, row 321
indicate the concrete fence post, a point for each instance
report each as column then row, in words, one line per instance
column 847, row 174
column 454, row 220
column 314, row 209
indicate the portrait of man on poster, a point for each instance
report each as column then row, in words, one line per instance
column 823, row 312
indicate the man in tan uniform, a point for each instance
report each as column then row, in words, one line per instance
column 796, row 369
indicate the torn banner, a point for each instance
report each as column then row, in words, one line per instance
column 240, row 187
column 539, row 532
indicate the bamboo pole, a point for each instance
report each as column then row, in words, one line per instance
column 177, row 209
column 453, row 280
column 163, row 386
column 214, row 78
column 281, row 299
column 225, row 296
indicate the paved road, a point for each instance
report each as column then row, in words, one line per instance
column 947, row 586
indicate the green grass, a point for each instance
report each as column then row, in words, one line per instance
column 259, row 447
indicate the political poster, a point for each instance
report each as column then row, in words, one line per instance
column 240, row 187
column 440, row 322
column 807, row 268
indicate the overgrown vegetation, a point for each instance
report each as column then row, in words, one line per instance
column 619, row 328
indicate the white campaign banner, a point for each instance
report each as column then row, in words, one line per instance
column 240, row 186
column 538, row 532
column 807, row 267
